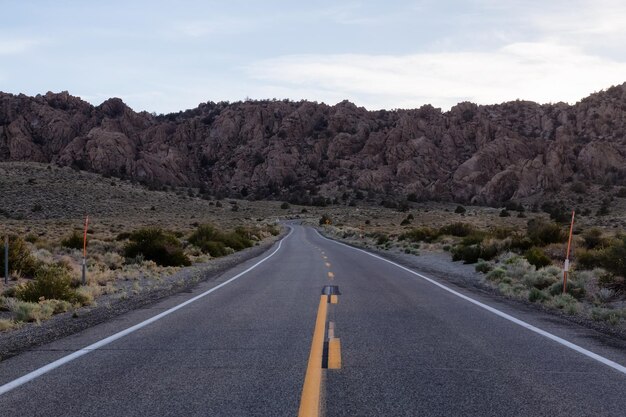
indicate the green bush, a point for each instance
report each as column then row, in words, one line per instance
column 614, row 257
column 471, row 253
column 535, row 256
column 21, row 261
column 73, row 241
column 593, row 238
column 543, row 233
column 483, row 266
column 25, row 311
column 420, row 234
column 460, row 210
column 496, row 275
column 51, row 282
column 156, row 245
column 381, row 239
column 542, row 278
column 325, row 219
column 574, row 289
column 457, row 229
column 505, row 213
column 215, row 242
column 284, row 206
column 536, row 294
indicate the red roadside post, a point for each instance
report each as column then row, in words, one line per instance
column 569, row 245
column 84, row 280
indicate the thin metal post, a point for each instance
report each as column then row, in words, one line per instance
column 569, row 245
column 6, row 260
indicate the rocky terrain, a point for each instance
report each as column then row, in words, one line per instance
column 303, row 151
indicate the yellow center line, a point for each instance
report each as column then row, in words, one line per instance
column 334, row 299
column 334, row 353
column 310, row 400
column 327, row 264
column 331, row 275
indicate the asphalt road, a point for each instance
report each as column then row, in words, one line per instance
column 408, row 348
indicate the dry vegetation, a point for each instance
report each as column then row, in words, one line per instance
column 135, row 237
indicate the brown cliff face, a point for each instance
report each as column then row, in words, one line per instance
column 282, row 149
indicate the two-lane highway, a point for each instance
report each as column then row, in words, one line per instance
column 407, row 348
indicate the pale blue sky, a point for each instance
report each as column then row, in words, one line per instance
column 168, row 56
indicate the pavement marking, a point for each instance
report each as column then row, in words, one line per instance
column 101, row 343
column 334, row 353
column 557, row 339
column 327, row 264
column 334, row 299
column 311, row 391
column 331, row 275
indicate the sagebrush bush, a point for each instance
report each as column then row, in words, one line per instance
column 51, row 282
column 420, row 234
column 156, row 245
column 543, row 233
column 535, row 256
column 73, row 241
column 457, row 229
column 536, row 294
column 541, row 279
column 21, row 261
column 26, row 311
column 592, row 238
column 574, row 289
column 472, row 253
column 216, row 243
column 483, row 266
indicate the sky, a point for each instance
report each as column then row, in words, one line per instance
column 164, row 57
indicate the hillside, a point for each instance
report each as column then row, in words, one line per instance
column 300, row 151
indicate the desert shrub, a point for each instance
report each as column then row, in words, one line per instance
column 51, row 282
column 21, row 261
column 614, row 257
column 273, row 230
column 605, row 314
column 26, row 311
column 519, row 242
column 460, row 210
column 611, row 281
column 543, row 233
column 215, row 242
column 420, row 234
column 58, row 306
column 574, row 289
column 496, row 275
column 472, row 252
column 123, row 236
column 542, row 278
column 325, row 219
column 536, row 294
column 381, row 238
column 535, row 256
column 405, row 222
column 284, row 206
column 505, row 213
column 592, row 238
column 604, row 295
column 156, row 245
column 73, row 241
column 483, row 266
column 566, row 303
column 457, row 229
column 6, row 324
column 473, row 238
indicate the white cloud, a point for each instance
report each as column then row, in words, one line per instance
column 542, row 72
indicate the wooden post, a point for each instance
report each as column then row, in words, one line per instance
column 569, row 245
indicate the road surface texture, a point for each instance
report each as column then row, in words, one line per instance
column 407, row 348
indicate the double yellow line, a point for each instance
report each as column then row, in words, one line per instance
column 310, row 401
column 311, row 392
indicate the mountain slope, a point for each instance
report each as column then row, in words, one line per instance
column 297, row 150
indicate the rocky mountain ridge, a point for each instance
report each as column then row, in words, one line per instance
column 301, row 150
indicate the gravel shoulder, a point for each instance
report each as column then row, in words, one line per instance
column 139, row 294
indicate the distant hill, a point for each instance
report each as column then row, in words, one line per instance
column 304, row 151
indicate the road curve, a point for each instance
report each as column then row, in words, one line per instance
column 407, row 348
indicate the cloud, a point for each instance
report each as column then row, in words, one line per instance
column 540, row 71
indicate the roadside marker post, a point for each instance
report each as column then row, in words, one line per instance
column 569, row 245
column 6, row 260
column 84, row 278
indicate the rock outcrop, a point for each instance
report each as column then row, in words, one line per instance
column 301, row 150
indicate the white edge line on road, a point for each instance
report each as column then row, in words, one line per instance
column 77, row 354
column 595, row 356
